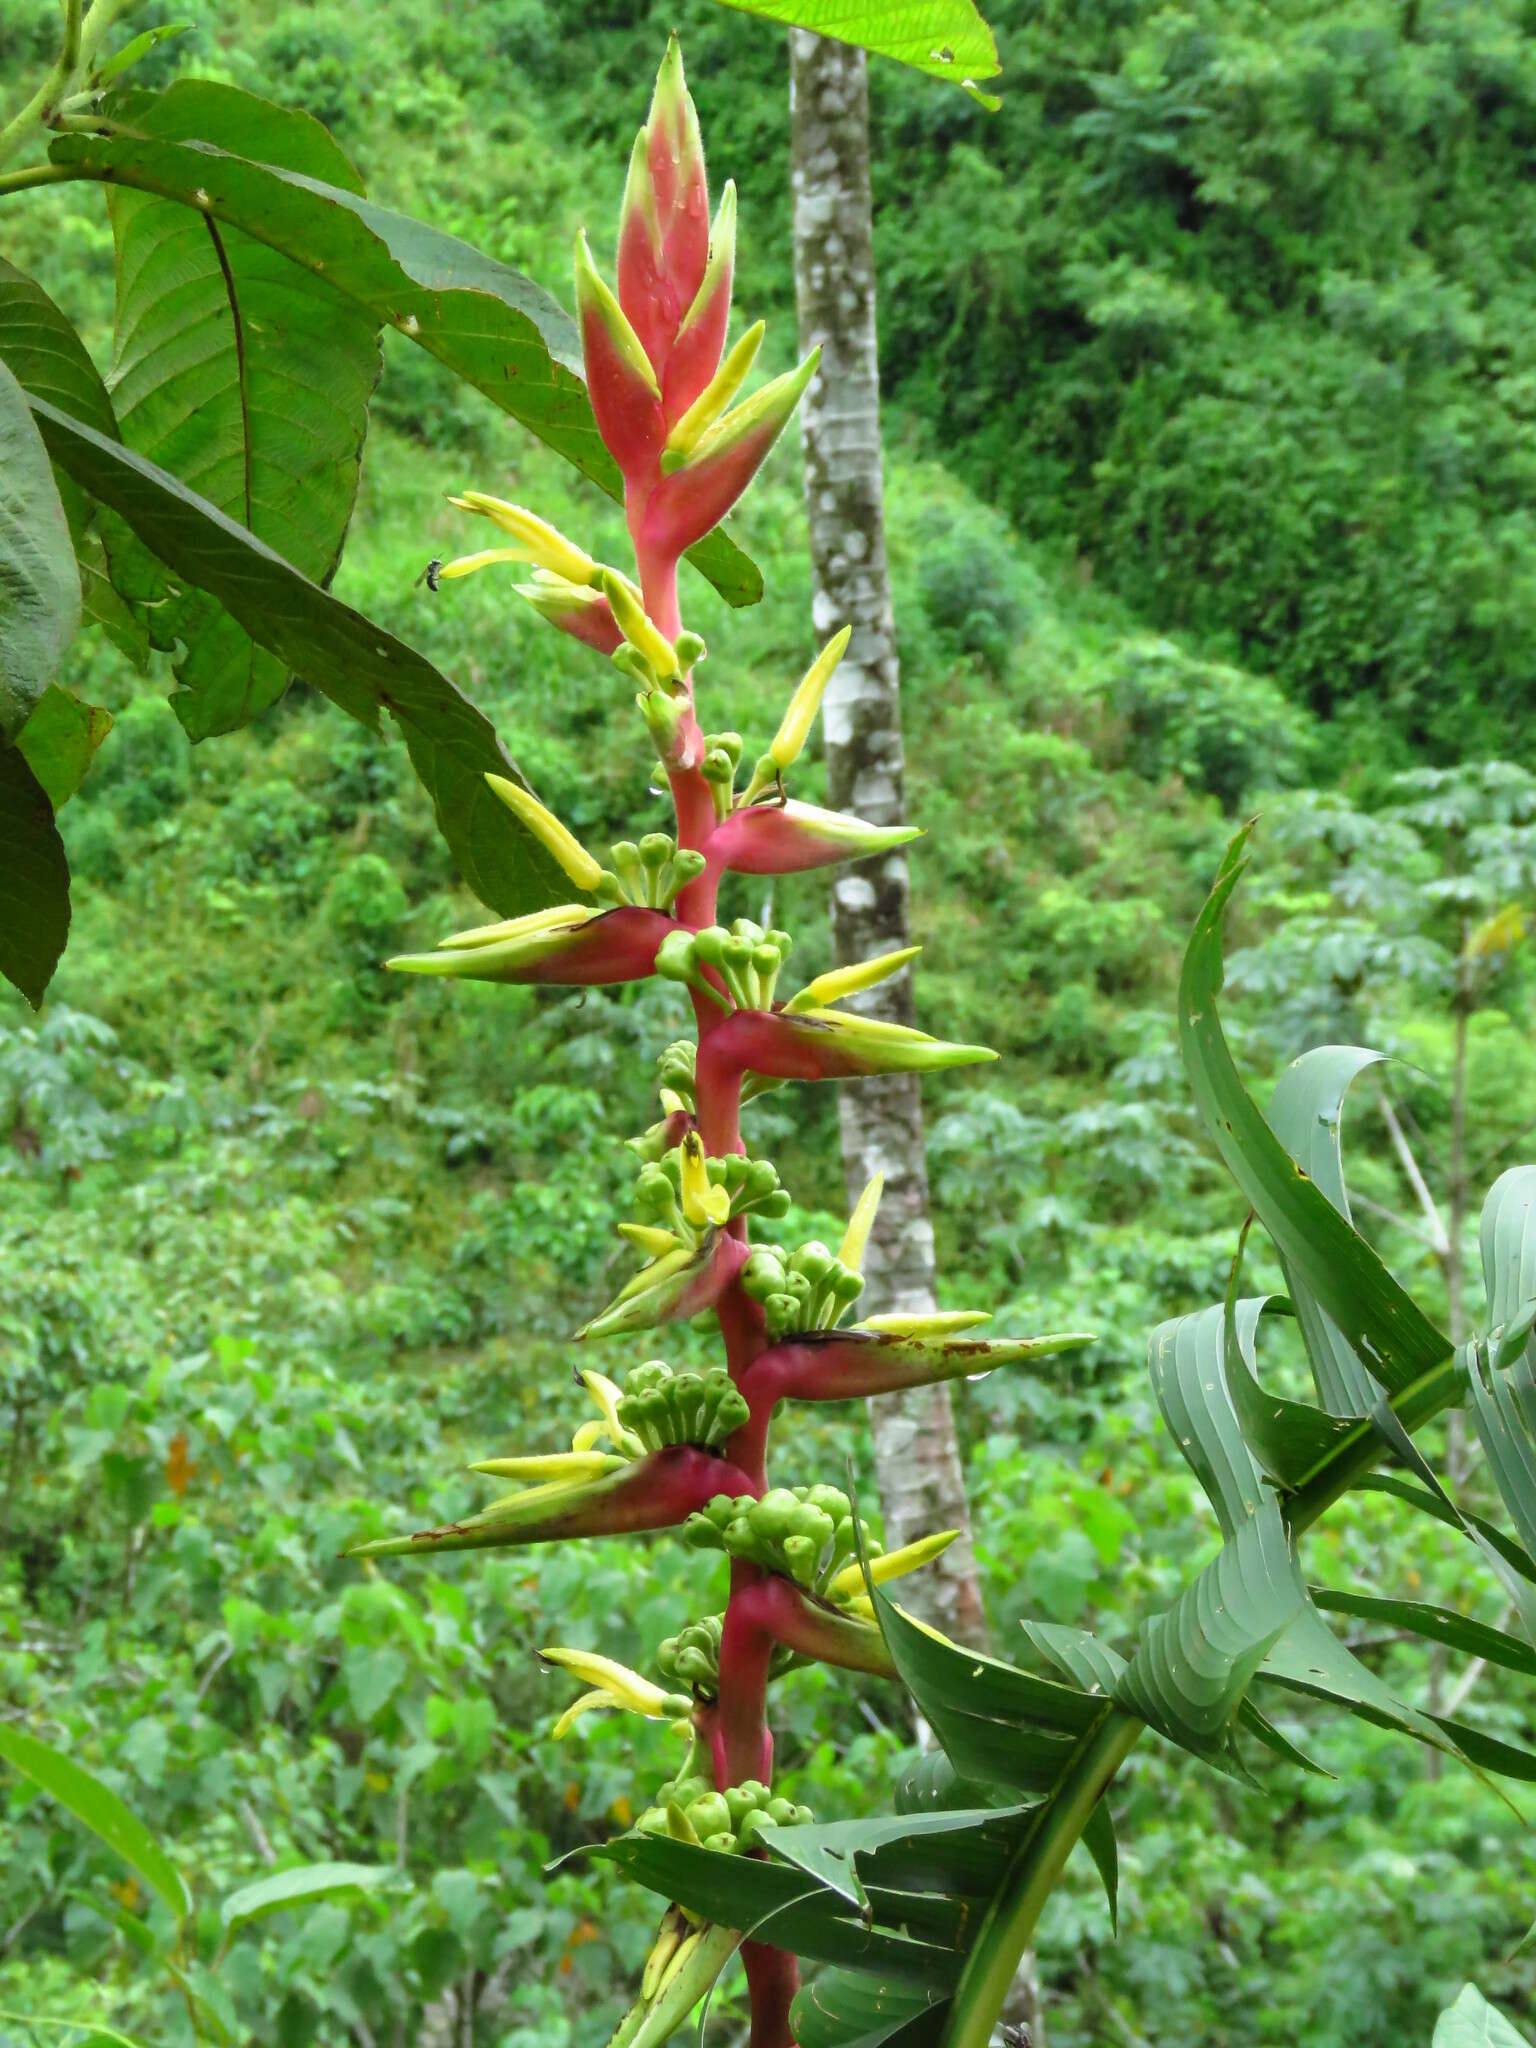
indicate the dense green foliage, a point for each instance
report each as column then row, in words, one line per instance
column 280, row 1238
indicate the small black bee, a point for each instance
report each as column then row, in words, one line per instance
column 430, row 574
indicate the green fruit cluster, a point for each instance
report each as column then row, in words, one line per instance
column 664, row 1407
column 752, row 1184
column 692, row 1657
column 746, row 958
column 804, row 1532
column 722, row 758
column 691, row 1810
column 650, row 873
column 807, row 1289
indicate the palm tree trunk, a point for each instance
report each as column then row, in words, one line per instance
column 916, row 1456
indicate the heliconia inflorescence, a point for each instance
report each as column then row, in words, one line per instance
column 687, row 1450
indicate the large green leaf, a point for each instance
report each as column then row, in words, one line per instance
column 1507, row 1239
column 34, row 880
column 1291, row 1440
column 48, row 360
column 1306, row 1114
column 488, row 324
column 1379, row 1321
column 98, row 1809
column 945, row 38
column 39, row 585
column 355, row 663
column 242, row 373
column 1473, row 2023
column 958, row 1851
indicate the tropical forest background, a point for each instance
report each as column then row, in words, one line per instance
column 1210, row 381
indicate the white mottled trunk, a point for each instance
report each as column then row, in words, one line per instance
column 916, row 1457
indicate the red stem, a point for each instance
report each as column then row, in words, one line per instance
column 740, row 1738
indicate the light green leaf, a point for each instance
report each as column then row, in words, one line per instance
column 1306, row 1114
column 138, row 47
column 34, row 880
column 91, row 2032
column 299, row 1886
column 945, row 38
column 60, row 740
column 1380, row 1322
column 1473, row 2023
column 240, row 372
column 354, row 662
column 1184, row 1357
column 39, row 584
column 1194, row 1663
column 488, row 324
column 373, row 1676
column 99, row 1810
column 1507, row 1239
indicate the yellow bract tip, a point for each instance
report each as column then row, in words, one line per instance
column 849, row 981
column 860, row 1223
column 703, row 1202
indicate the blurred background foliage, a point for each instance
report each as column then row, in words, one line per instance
column 1211, row 363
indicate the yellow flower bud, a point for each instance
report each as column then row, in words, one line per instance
column 568, row 850
column 856, row 1236
column 703, row 1202
column 633, row 621
column 536, row 541
column 848, row 981
column 849, row 1582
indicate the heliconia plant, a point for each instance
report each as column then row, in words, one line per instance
column 684, row 1450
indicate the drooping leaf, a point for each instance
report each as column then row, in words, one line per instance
column 98, row 1809
column 487, row 323
column 1291, row 1440
column 1380, row 1322
column 842, row 2010
column 39, row 585
column 242, row 373
column 1471, row 2022
column 945, row 38
column 1306, row 1114
column 34, row 880
column 60, row 740
column 354, row 662
column 1099, row 1841
column 300, row 1887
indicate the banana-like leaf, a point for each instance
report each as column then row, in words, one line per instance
column 1473, row 2023
column 1381, row 1323
column 240, row 372
column 1502, row 1404
column 354, row 662
column 1507, row 1239
column 842, row 2010
column 1092, row 1666
column 487, row 323
column 1306, row 1114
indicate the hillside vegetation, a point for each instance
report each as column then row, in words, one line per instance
column 1210, row 366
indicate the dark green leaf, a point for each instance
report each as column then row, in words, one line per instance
column 958, row 1852
column 60, row 740
column 99, row 1810
column 1090, row 1665
column 1379, row 1321
column 1438, row 1624
column 355, row 663
column 39, row 585
column 841, row 2010
column 489, row 324
column 244, row 374
column 34, row 880
column 1293, row 1441
column 1099, row 1841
